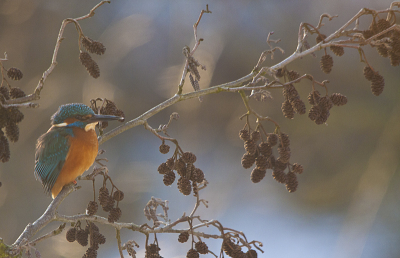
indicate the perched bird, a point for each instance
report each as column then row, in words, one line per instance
column 69, row 147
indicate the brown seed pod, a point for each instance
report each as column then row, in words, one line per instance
column 12, row 132
column 368, row 73
column 325, row 103
column 326, row 63
column 394, row 58
column 279, row 176
column 284, row 154
column 109, row 205
column 4, row 149
column 152, row 251
column 103, row 196
column 5, row 92
column 82, row 237
column 231, row 249
column 189, row 169
column 13, row 115
column 367, row 33
column 299, row 106
column 314, row 97
column 71, row 234
column 164, row 148
column 182, row 171
column 323, row 117
column 201, row 247
column 381, row 25
column 192, row 253
column 293, row 75
column 271, row 162
column 265, row 149
column 179, row 164
column 244, row 135
column 91, row 253
column 250, row 146
column 291, row 182
column 170, row 163
column 169, row 178
column 297, row 168
column 382, row 50
column 92, row 208
column 91, row 227
column 98, row 238
column 189, row 157
column 261, row 162
column 14, row 73
column 114, row 214
column 16, row 93
column 118, row 195
column 284, row 139
column 193, row 64
column 337, row 50
column 163, row 168
column 287, row 109
column 90, row 65
column 395, row 42
column 338, row 99
column 314, row 112
column 184, row 186
column 280, row 73
column 199, row 175
column 290, row 93
column 255, row 136
column 320, row 38
column 257, row 175
column 377, row 84
column 109, row 109
column 183, row 237
column 272, row 139
column 248, row 160
column 251, row 254
column 93, row 46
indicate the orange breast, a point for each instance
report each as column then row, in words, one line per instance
column 81, row 155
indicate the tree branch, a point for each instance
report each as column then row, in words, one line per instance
column 36, row 94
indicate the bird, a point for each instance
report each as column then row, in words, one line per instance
column 69, row 147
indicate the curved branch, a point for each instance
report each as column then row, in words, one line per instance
column 48, row 216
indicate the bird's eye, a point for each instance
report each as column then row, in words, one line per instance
column 79, row 117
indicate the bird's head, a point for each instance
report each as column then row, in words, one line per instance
column 79, row 115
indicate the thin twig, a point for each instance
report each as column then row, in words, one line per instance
column 197, row 43
column 118, row 236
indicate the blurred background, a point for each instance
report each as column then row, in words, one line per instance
column 347, row 202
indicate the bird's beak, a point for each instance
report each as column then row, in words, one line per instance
column 103, row 118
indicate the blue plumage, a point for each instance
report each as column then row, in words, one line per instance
column 51, row 150
column 70, row 110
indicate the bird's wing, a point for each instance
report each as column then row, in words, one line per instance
column 51, row 151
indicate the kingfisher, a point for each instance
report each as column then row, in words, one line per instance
column 69, row 147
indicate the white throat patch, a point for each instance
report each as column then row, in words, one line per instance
column 91, row 126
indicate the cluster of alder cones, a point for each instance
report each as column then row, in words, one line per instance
column 262, row 155
column 387, row 45
column 94, row 47
column 9, row 117
column 184, row 166
column 200, row 247
column 83, row 235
